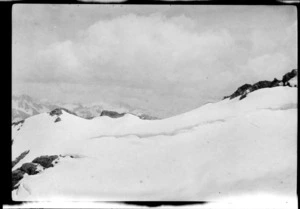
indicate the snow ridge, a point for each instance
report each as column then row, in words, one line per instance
column 218, row 149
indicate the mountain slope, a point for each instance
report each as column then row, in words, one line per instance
column 219, row 149
column 23, row 106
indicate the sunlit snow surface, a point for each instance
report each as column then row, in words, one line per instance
column 221, row 149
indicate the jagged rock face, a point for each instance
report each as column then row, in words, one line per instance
column 58, row 111
column 112, row 114
column 247, row 88
column 289, row 75
column 275, row 83
column 260, row 85
column 32, row 168
column 17, row 123
column 20, row 157
column 29, row 168
column 293, row 82
column 240, row 91
column 45, row 160
column 243, row 96
column 16, row 176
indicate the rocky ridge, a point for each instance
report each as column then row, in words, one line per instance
column 35, row 167
column 245, row 89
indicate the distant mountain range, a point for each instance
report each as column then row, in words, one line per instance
column 24, row 106
column 243, row 144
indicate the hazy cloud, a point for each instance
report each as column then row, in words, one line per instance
column 173, row 60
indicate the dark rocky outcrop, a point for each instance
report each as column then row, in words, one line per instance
column 288, row 76
column 57, row 119
column 21, row 122
column 291, row 85
column 247, row 88
column 275, row 83
column 58, row 111
column 45, row 160
column 20, row 157
column 17, row 123
column 29, row 168
column 240, row 91
column 16, row 176
column 112, row 114
column 243, row 96
column 260, row 85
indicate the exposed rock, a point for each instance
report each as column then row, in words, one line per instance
column 17, row 123
column 293, row 82
column 16, row 176
column 243, row 96
column 260, row 85
column 111, row 114
column 57, row 119
column 247, row 88
column 58, row 111
column 240, row 91
column 29, row 168
column 275, row 83
column 289, row 76
column 20, row 157
column 45, row 160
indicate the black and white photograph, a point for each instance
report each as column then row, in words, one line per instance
column 115, row 102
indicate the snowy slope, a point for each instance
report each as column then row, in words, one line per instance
column 219, row 149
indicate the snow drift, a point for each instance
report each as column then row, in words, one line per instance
column 220, row 149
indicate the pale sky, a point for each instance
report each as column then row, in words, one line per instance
column 165, row 59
